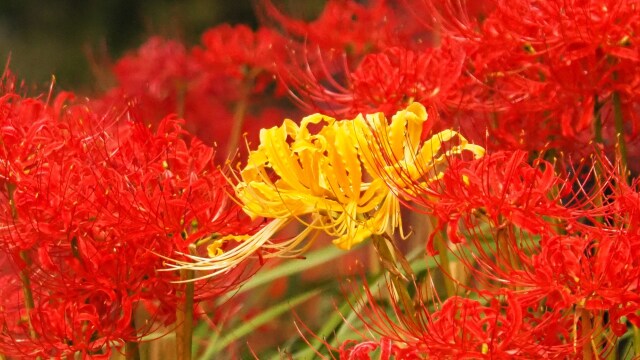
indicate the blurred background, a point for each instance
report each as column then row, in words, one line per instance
column 66, row 38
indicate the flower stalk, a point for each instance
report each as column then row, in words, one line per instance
column 597, row 123
column 184, row 317
column 132, row 348
column 239, row 113
column 587, row 330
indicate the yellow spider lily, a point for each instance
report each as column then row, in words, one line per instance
column 330, row 175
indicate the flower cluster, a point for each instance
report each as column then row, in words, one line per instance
column 219, row 86
column 498, row 140
column 539, row 229
column 91, row 203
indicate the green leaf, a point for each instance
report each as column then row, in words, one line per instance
column 248, row 327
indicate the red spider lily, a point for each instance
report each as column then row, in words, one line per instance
column 347, row 25
column 91, row 203
column 545, row 69
column 392, row 79
column 158, row 74
column 44, row 230
column 498, row 328
column 384, row 82
column 499, row 188
column 260, row 49
column 595, row 270
column 528, row 32
column 362, row 58
column 248, row 72
column 550, row 240
column 519, row 202
column 537, row 74
column 569, row 250
column 213, row 87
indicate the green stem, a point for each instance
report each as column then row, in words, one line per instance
column 238, row 120
column 587, row 349
column 132, row 348
column 239, row 113
column 597, row 124
column 184, row 318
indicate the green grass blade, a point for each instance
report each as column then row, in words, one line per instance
column 292, row 267
column 246, row 328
